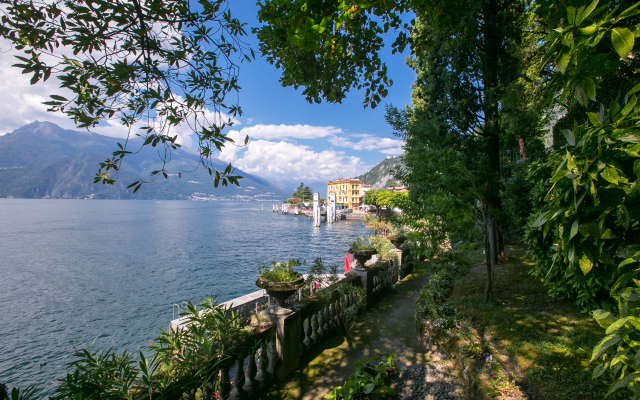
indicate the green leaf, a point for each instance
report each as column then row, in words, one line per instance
column 603, row 318
column 585, row 12
column 56, row 97
column 598, row 371
column 574, row 229
column 624, row 382
column 563, row 62
column 594, row 119
column 585, row 264
column 608, row 341
column 368, row 388
column 568, row 134
column 610, row 175
column 608, row 234
column 622, row 39
column 571, row 15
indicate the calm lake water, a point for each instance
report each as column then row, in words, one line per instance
column 77, row 272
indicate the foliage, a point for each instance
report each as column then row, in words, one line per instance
column 619, row 351
column 372, row 376
column 281, row 271
column 153, row 65
column 360, row 244
column 589, row 212
column 16, row 394
column 517, row 205
column 331, row 47
column 383, row 247
column 185, row 361
column 386, row 198
column 377, row 225
column 303, row 192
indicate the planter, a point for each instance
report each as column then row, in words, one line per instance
column 397, row 241
column 280, row 291
column 362, row 256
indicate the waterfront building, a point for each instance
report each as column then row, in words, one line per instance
column 347, row 192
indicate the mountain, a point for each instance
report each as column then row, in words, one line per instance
column 381, row 174
column 43, row 160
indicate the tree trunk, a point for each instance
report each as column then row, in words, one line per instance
column 491, row 133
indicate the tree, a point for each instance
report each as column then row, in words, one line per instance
column 153, row 64
column 304, row 192
column 330, row 47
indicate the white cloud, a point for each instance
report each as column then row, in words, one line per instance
column 289, row 131
column 370, row 143
column 283, row 160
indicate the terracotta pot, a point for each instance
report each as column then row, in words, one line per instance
column 280, row 291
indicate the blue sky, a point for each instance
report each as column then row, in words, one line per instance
column 291, row 140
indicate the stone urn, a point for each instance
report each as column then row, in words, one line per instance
column 396, row 241
column 280, row 291
column 362, row 256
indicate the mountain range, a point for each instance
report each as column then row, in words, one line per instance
column 43, row 160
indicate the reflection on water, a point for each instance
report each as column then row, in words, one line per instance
column 75, row 271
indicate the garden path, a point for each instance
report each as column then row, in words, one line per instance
column 387, row 327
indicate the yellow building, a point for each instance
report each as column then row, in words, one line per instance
column 347, row 192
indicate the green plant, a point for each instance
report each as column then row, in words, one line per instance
column 619, row 351
column 360, row 244
column 26, row 394
column 280, row 271
column 383, row 247
column 372, row 376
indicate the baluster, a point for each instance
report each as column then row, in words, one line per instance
column 307, row 339
column 326, row 327
column 251, row 386
column 314, row 329
column 238, row 392
column 321, row 331
column 272, row 355
column 332, row 315
column 263, row 376
column 225, row 385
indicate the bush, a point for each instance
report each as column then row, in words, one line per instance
column 372, row 377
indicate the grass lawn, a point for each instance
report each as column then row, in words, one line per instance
column 524, row 344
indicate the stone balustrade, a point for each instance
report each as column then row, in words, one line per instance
column 249, row 370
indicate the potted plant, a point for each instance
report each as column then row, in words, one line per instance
column 280, row 282
column 361, row 251
column 396, row 240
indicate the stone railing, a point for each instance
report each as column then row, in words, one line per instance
column 249, row 370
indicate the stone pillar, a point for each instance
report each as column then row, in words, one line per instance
column 367, row 284
column 397, row 261
column 288, row 340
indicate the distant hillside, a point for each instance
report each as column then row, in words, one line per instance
column 379, row 175
column 42, row 160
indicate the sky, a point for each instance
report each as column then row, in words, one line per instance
column 290, row 139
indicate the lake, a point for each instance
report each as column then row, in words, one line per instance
column 77, row 273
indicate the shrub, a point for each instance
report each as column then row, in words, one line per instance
column 372, row 377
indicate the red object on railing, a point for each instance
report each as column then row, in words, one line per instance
column 347, row 262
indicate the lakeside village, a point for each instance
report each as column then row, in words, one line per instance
column 347, row 195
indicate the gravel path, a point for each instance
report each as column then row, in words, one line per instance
column 430, row 381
